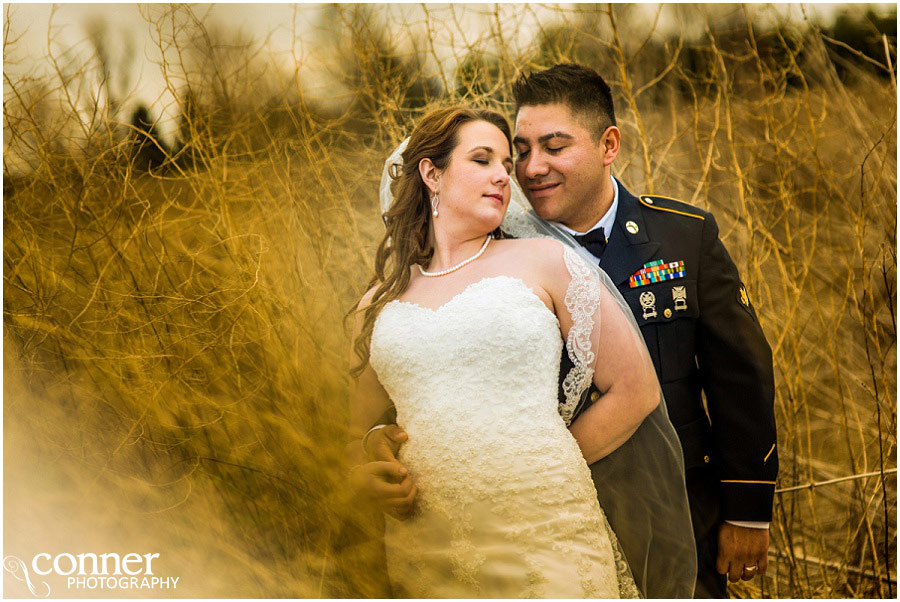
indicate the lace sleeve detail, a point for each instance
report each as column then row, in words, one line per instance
column 582, row 301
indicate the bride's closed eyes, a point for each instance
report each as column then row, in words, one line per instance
column 485, row 159
column 507, row 165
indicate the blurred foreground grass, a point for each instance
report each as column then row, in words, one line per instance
column 175, row 359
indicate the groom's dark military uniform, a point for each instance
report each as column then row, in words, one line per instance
column 703, row 334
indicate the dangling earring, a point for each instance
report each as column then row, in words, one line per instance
column 434, row 204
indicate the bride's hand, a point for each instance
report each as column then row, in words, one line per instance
column 384, row 443
column 388, row 485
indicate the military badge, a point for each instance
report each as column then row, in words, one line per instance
column 679, row 296
column 744, row 297
column 657, row 271
column 648, row 304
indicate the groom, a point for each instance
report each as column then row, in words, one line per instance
column 686, row 295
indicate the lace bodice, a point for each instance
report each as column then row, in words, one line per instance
column 474, row 384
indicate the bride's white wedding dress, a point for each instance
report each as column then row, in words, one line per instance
column 506, row 506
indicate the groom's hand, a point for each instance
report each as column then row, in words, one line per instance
column 741, row 549
column 383, row 444
column 388, row 485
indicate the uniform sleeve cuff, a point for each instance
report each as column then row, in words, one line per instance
column 747, row 500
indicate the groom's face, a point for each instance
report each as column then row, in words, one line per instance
column 559, row 164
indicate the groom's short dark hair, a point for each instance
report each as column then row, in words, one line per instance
column 580, row 88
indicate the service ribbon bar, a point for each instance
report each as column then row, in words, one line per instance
column 657, row 271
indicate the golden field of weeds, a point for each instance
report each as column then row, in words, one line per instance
column 175, row 355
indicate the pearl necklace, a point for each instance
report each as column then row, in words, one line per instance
column 461, row 264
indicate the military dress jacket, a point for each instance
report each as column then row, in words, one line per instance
column 704, row 337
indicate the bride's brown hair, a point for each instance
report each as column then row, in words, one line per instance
column 406, row 241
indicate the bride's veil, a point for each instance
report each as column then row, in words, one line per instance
column 641, row 484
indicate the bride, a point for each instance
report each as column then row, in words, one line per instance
column 462, row 331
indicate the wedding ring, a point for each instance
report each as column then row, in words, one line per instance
column 751, row 569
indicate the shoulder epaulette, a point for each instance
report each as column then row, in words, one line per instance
column 670, row 205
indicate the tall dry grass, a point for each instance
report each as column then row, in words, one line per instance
column 175, row 359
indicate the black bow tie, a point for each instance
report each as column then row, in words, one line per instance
column 594, row 241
